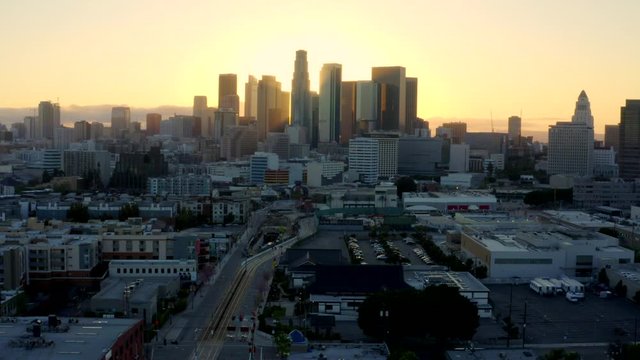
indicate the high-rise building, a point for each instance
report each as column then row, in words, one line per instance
column 515, row 129
column 348, row 125
column 230, row 102
column 81, row 130
column 571, row 143
column 582, row 114
column 393, row 105
column 268, row 98
column 120, row 121
column 238, row 142
column 329, row 106
column 30, row 126
column 62, row 137
column 227, row 85
column 312, row 133
column 278, row 143
column 412, row 105
column 300, row 94
column 153, row 123
column 133, row 169
column 458, row 131
column 285, row 106
column 200, row 110
column 46, row 122
column 612, row 137
column 259, row 163
column 224, row 118
column 251, row 98
column 629, row 146
column 88, row 164
column 387, row 153
column 367, row 99
column 419, row 156
column 363, row 160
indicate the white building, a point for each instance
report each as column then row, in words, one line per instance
column 571, row 143
column 239, row 207
column 153, row 268
column 541, row 250
column 324, row 173
column 364, row 159
column 387, row 153
column 181, row 185
column 604, row 162
column 451, row 202
column 459, row 158
column 259, row 163
column 461, row 180
column 62, row 137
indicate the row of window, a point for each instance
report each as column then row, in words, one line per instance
column 151, row 271
column 515, row 261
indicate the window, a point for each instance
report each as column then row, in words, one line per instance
column 175, row 271
column 507, row 261
column 624, row 261
column 156, row 270
column 328, row 307
column 118, row 270
column 137, row 271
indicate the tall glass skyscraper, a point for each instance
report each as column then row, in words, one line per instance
column 629, row 155
column 329, row 105
column 300, row 96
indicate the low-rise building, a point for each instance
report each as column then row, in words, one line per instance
column 451, row 202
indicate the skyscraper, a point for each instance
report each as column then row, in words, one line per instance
column 31, row 127
column 227, row 85
column 251, row 97
column 45, row 124
column 367, row 110
column 571, row 143
column 412, row 104
column 268, row 97
column 81, row 131
column 120, row 121
column 200, row 111
column 329, row 105
column 285, row 106
column 348, row 125
column 300, row 95
column 153, row 124
column 629, row 153
column 515, row 129
column 393, row 105
column 612, row 137
column 315, row 119
column 458, row 131
column 364, row 159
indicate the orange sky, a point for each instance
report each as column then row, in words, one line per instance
column 472, row 58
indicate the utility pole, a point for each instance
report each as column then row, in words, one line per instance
column 509, row 322
column 524, row 325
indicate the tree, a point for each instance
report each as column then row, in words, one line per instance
column 603, row 278
column 283, row 344
column 128, row 210
column 78, row 212
column 438, row 312
column 403, row 355
column 561, row 354
column 405, row 184
column 620, row 289
column 46, row 177
column 186, row 219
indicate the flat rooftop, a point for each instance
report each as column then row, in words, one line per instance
column 578, row 218
column 113, row 288
column 464, row 281
column 343, row 351
column 90, row 338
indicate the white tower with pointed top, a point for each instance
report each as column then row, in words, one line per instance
column 582, row 114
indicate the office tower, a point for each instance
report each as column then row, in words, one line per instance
column 56, row 115
column 412, row 105
column 89, row 165
column 348, row 125
column 604, row 163
column 329, row 105
column 315, row 119
column 490, row 142
column 153, row 123
column 363, row 160
column 62, row 137
column 97, row 130
column 45, row 120
column 134, row 127
column 230, row 102
column 419, row 156
column 300, row 94
column 81, row 130
column 30, row 127
column 393, row 105
column 133, row 169
column 268, row 98
column 200, row 111
column 571, row 143
column 259, row 163
column 284, row 104
column 459, row 158
column 120, row 121
column 387, row 153
column 181, row 126
column 458, row 131
column 18, row 130
column 224, row 118
column 239, row 142
column 582, row 114
column 227, row 85
column 251, row 98
column 367, row 115
column 515, row 129
column 278, row 143
column 629, row 143
column 612, row 137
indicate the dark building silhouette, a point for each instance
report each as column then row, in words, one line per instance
column 629, row 154
column 133, row 169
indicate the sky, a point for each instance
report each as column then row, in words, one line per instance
column 474, row 60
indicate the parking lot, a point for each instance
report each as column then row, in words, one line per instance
column 556, row 320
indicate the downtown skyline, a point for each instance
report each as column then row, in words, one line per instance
column 474, row 60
